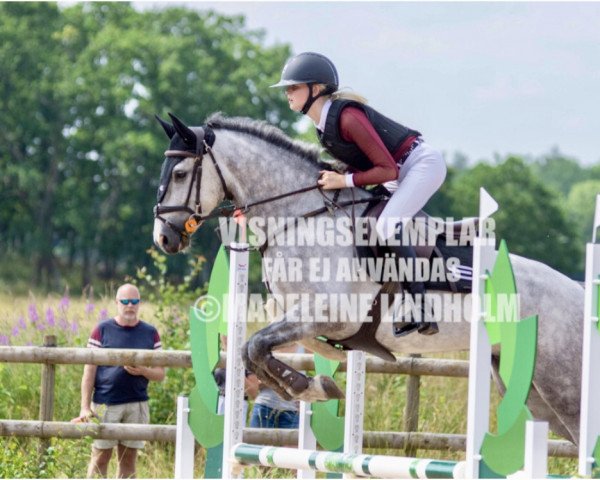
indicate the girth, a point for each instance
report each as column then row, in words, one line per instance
column 365, row 339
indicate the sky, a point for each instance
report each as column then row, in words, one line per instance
column 484, row 79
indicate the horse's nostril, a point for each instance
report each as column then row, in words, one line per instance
column 164, row 240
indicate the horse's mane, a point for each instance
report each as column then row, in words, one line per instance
column 267, row 132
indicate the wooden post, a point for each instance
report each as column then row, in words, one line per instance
column 411, row 410
column 47, row 393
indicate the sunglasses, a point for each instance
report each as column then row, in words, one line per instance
column 127, row 301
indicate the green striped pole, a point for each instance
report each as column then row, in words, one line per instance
column 379, row 466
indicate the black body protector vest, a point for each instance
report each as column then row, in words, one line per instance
column 392, row 133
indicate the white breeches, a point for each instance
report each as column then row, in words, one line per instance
column 420, row 177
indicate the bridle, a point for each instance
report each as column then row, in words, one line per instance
column 196, row 218
column 204, row 140
column 203, row 147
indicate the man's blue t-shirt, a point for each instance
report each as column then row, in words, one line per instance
column 114, row 385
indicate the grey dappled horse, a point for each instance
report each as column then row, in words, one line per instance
column 247, row 161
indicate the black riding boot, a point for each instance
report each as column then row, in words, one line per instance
column 416, row 289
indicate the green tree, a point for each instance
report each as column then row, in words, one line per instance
column 137, row 64
column 581, row 205
column 32, row 146
column 82, row 86
column 594, row 171
column 559, row 172
column 531, row 218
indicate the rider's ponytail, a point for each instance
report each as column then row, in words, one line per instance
column 346, row 95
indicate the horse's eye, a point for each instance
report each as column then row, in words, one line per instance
column 180, row 175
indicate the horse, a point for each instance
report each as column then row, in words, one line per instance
column 260, row 170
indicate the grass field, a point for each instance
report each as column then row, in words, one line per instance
column 24, row 320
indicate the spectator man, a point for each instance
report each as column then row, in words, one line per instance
column 120, row 393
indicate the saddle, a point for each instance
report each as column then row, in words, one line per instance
column 452, row 233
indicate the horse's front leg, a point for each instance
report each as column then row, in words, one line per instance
column 263, row 375
column 260, row 359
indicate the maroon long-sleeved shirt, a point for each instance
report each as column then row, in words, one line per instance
column 355, row 127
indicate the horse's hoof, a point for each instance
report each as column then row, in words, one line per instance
column 330, row 388
column 321, row 389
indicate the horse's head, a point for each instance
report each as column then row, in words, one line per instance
column 189, row 186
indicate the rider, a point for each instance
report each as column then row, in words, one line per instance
column 376, row 149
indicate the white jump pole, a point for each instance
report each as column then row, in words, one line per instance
column 234, row 418
column 306, row 438
column 236, row 335
column 355, row 404
column 590, row 381
column 184, row 442
column 234, row 413
column 484, row 256
column 536, row 452
column 536, row 449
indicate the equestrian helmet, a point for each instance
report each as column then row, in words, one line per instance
column 310, row 68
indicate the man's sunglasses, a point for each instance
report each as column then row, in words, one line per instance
column 127, row 301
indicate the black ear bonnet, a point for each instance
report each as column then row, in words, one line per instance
column 196, row 148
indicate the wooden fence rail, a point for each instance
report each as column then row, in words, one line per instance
column 262, row 436
column 414, row 366
column 183, row 359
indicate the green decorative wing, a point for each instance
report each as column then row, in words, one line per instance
column 325, row 423
column 205, row 326
column 503, row 453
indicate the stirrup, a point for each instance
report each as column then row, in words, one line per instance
column 424, row 328
column 428, row 328
column 404, row 328
column 401, row 329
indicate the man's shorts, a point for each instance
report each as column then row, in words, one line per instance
column 134, row 412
